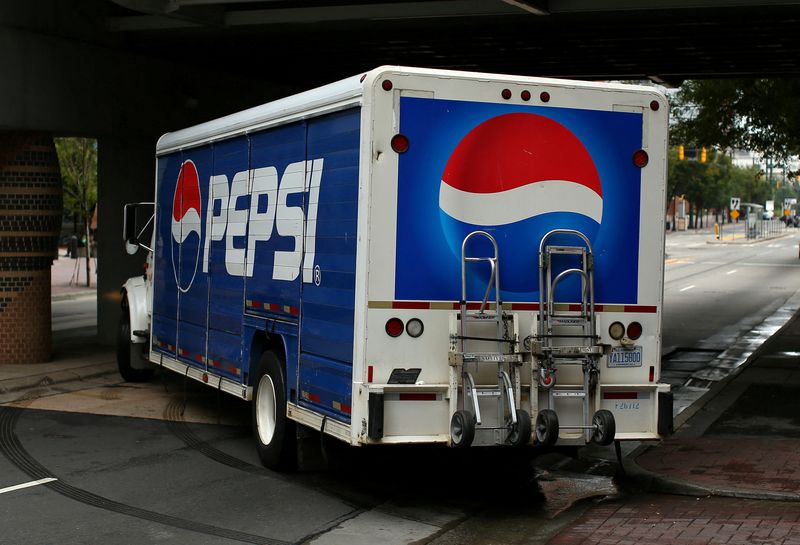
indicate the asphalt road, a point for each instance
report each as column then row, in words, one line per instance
column 714, row 293
column 189, row 473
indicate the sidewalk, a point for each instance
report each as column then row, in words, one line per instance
column 744, row 439
column 68, row 277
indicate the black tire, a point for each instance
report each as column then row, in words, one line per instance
column 521, row 433
column 547, row 427
column 126, row 350
column 462, row 429
column 604, row 427
column 275, row 435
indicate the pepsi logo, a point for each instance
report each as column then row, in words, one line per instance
column 518, row 176
column 186, row 226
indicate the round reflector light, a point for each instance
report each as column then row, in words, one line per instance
column 387, row 85
column 640, row 158
column 506, row 93
column 394, row 327
column 634, row 330
column 544, row 96
column 654, row 105
column 400, row 143
column 526, row 95
column 414, row 327
column 616, row 330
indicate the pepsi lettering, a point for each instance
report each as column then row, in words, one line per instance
column 228, row 217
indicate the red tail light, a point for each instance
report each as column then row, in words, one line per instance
column 400, row 143
column 394, row 327
column 640, row 158
column 634, row 330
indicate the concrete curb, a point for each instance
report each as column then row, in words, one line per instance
column 73, row 296
column 654, row 482
column 57, row 377
column 747, row 240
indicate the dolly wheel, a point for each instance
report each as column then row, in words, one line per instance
column 521, row 431
column 547, row 427
column 604, row 427
column 462, row 429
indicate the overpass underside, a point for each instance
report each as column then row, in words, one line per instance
column 126, row 71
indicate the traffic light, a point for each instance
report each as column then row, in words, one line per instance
column 703, row 155
column 680, row 153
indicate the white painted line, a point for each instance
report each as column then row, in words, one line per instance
column 26, row 485
column 686, row 288
column 731, row 272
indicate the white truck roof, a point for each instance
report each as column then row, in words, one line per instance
column 333, row 96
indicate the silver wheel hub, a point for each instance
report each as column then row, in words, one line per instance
column 266, row 410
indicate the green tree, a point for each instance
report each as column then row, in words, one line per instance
column 713, row 183
column 761, row 115
column 78, row 160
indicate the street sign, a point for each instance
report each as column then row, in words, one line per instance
column 735, row 214
column 735, row 203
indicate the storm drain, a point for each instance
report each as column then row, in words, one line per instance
column 678, row 366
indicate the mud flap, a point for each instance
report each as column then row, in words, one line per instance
column 375, row 407
column 665, row 414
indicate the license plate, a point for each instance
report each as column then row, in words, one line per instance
column 625, row 356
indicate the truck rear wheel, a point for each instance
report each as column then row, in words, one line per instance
column 126, row 351
column 275, row 435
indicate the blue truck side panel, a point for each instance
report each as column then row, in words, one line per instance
column 274, row 150
column 231, row 157
column 326, row 328
column 258, row 233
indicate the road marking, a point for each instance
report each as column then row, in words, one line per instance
column 687, row 288
column 750, row 264
column 26, row 485
column 731, row 272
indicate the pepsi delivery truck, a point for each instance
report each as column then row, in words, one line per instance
column 414, row 256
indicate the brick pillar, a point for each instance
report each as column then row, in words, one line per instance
column 30, row 222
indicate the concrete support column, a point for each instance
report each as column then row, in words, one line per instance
column 126, row 173
column 30, row 221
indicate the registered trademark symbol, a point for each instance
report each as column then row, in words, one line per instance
column 317, row 275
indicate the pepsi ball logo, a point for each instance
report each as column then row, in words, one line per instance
column 518, row 176
column 186, row 226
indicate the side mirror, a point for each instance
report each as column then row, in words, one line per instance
column 131, row 233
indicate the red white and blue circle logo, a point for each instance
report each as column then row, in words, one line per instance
column 516, row 166
column 186, row 226
column 517, row 172
column 510, row 175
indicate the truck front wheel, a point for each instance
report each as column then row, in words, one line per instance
column 275, row 434
column 126, row 351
